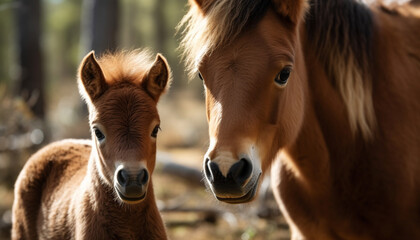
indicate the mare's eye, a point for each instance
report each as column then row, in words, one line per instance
column 99, row 135
column 155, row 131
column 199, row 75
column 283, row 76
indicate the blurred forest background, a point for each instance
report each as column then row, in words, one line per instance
column 41, row 45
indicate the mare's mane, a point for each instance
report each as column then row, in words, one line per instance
column 222, row 23
column 339, row 30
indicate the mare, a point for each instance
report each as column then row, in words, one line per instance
column 100, row 188
column 324, row 94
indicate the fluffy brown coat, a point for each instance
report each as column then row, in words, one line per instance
column 66, row 190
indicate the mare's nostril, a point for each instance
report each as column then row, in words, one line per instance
column 123, row 177
column 212, row 171
column 207, row 172
column 240, row 171
column 143, row 177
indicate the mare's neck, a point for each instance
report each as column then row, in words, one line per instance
column 321, row 154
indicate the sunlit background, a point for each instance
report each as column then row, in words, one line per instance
column 41, row 45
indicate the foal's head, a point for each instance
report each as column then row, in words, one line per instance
column 247, row 56
column 122, row 91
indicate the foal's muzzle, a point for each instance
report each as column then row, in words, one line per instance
column 131, row 186
column 238, row 186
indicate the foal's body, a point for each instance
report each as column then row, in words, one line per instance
column 100, row 189
column 75, row 204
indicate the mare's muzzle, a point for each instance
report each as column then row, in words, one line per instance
column 131, row 186
column 238, row 186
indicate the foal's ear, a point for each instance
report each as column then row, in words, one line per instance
column 91, row 77
column 292, row 9
column 157, row 78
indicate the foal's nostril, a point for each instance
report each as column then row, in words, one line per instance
column 123, row 177
column 143, row 177
column 240, row 171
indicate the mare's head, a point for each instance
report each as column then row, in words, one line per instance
column 122, row 91
column 248, row 55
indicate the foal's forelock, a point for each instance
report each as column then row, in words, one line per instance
column 129, row 66
column 129, row 114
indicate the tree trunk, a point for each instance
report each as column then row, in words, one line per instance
column 160, row 24
column 100, row 25
column 161, row 33
column 31, row 82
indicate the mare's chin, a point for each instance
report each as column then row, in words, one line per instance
column 131, row 199
column 252, row 188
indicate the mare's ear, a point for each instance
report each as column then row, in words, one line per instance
column 292, row 9
column 201, row 4
column 91, row 77
column 157, row 78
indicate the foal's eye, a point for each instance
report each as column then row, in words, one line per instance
column 283, row 76
column 99, row 135
column 155, row 131
column 200, row 76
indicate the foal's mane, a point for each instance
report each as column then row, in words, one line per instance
column 339, row 30
column 125, row 66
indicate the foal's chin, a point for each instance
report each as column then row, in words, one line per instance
column 131, row 199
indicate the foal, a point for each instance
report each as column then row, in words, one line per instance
column 100, row 189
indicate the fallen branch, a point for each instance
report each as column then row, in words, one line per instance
column 167, row 166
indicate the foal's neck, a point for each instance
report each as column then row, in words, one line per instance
column 142, row 218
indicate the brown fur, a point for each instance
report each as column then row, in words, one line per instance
column 342, row 136
column 66, row 190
